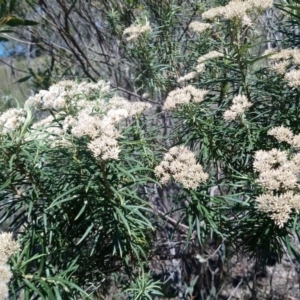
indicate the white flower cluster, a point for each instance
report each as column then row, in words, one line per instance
column 280, row 67
column 65, row 93
column 12, row 119
column 284, row 134
column 279, row 176
column 282, row 60
column 201, row 65
column 239, row 105
column 188, row 76
column 180, row 164
column 276, row 172
column 133, row 32
column 7, row 247
column 282, row 55
column 279, row 207
column 210, row 55
column 293, row 78
column 183, row 96
column 199, row 27
column 238, row 10
column 95, row 119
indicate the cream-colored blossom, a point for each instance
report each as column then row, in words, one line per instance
column 279, row 55
column 296, row 160
column 199, row 27
column 133, row 32
column 132, row 108
column 261, row 5
column 282, row 134
column 3, row 291
column 284, row 54
column 105, row 147
column 117, row 115
column 279, row 178
column 276, row 207
column 296, row 141
column 266, row 160
column 293, row 78
column 287, row 55
column 87, row 88
column 239, row 105
column 180, row 164
column 92, row 116
column 279, row 207
column 87, row 125
column 184, row 95
column 116, row 102
column 66, row 93
column 296, row 57
column 7, row 248
column 210, row 55
column 276, row 172
column 188, row 76
column 200, row 68
column 283, row 59
column 213, row 13
column 137, row 108
column 279, row 175
column 108, row 128
column 12, row 119
column 5, row 273
column 280, row 67
column 246, row 21
column 44, row 122
column 69, row 122
column 237, row 10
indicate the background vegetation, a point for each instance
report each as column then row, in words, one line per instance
column 96, row 228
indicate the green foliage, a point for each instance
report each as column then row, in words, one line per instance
column 85, row 222
column 80, row 219
column 143, row 288
column 8, row 19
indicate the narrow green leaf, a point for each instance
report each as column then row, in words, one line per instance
column 13, row 21
column 86, row 233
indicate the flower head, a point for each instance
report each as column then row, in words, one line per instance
column 66, row 93
column 183, row 96
column 7, row 248
column 199, row 27
column 105, row 147
column 237, row 10
column 133, row 32
column 209, row 56
column 278, row 207
column 12, row 119
column 239, row 105
column 293, row 78
column 188, row 76
column 279, row 177
column 282, row 134
column 180, row 164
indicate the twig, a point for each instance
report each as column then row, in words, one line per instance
column 235, row 289
column 132, row 94
column 172, row 221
